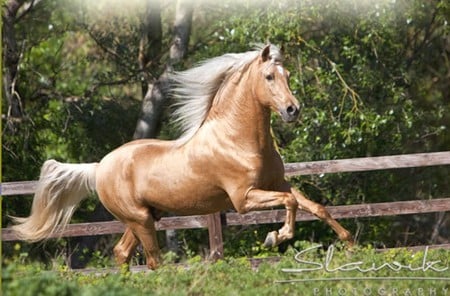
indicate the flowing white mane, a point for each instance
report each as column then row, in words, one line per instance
column 195, row 88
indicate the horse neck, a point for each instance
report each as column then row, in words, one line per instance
column 241, row 116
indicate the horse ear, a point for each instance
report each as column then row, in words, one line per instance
column 265, row 54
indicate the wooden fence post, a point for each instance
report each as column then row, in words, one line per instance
column 215, row 236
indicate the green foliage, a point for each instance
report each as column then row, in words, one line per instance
column 236, row 276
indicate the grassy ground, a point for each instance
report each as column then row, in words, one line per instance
column 311, row 271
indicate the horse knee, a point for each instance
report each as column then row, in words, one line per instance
column 321, row 212
column 291, row 202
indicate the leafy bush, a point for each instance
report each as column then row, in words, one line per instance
column 236, row 276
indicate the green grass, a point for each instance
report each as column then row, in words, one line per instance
column 235, row 276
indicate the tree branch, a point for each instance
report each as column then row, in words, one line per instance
column 11, row 58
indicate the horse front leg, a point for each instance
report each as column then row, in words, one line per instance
column 257, row 199
column 320, row 212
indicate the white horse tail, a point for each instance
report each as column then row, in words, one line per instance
column 61, row 187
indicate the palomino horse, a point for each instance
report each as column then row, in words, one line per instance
column 225, row 159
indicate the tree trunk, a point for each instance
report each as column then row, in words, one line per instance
column 149, row 122
column 151, row 42
column 182, row 31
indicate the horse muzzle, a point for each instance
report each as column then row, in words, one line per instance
column 290, row 114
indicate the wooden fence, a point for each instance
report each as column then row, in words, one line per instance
column 215, row 222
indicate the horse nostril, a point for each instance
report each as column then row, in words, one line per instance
column 292, row 110
column 290, row 113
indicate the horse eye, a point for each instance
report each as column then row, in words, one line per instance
column 269, row 77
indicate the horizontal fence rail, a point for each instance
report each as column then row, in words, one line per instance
column 214, row 222
column 368, row 163
column 259, row 217
column 308, row 168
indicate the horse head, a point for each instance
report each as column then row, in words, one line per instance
column 271, row 84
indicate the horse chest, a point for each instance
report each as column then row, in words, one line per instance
column 251, row 169
column 269, row 171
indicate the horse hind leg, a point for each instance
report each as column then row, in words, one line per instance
column 126, row 246
column 145, row 232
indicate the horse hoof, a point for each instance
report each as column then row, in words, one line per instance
column 350, row 245
column 271, row 240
